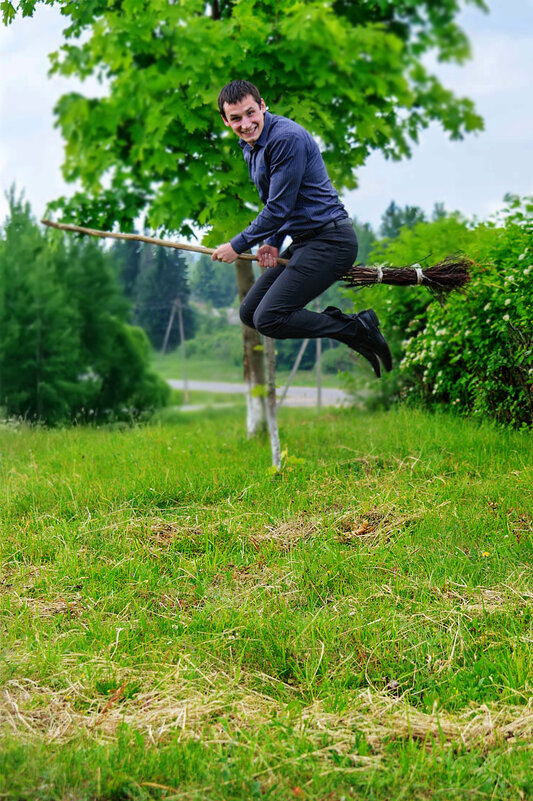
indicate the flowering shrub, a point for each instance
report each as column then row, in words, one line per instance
column 475, row 353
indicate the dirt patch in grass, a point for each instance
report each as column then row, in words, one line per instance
column 71, row 606
column 376, row 525
column 287, row 535
column 21, row 577
column 485, row 600
column 158, row 535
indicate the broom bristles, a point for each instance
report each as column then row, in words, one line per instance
column 451, row 273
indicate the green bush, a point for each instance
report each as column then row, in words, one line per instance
column 474, row 353
column 403, row 310
column 224, row 344
column 337, row 359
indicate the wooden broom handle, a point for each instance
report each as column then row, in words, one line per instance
column 148, row 239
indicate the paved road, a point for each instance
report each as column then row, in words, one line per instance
column 296, row 396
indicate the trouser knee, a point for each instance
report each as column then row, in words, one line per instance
column 247, row 315
column 268, row 324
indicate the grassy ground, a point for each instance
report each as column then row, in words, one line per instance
column 170, row 366
column 199, row 397
column 179, row 624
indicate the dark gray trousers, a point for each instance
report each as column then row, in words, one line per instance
column 275, row 303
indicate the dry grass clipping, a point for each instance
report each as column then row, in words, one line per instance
column 285, row 536
column 217, row 713
column 157, row 535
column 377, row 525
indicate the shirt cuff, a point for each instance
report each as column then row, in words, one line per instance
column 239, row 243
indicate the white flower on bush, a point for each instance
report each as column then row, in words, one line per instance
column 506, row 317
column 507, row 301
column 486, row 307
column 468, row 332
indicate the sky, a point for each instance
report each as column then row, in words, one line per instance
column 471, row 176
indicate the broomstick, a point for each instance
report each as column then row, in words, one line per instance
column 445, row 276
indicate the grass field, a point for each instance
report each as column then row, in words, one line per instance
column 171, row 366
column 179, row 624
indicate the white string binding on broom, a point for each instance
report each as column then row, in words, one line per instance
column 419, row 273
column 379, row 279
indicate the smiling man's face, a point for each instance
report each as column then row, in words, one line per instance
column 246, row 118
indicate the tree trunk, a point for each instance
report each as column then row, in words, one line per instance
column 254, row 369
column 271, row 406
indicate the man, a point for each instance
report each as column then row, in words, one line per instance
column 287, row 168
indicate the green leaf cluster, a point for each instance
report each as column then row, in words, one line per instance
column 66, row 352
column 351, row 72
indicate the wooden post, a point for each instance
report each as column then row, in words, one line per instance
column 169, row 327
column 293, row 371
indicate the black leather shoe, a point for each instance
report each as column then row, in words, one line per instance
column 352, row 340
column 364, row 337
column 375, row 339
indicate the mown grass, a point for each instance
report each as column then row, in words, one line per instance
column 176, row 623
column 171, row 366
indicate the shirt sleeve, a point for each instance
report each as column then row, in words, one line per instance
column 287, row 166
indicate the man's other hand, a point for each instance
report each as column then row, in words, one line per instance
column 267, row 256
column 225, row 253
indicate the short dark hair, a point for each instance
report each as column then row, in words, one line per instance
column 237, row 90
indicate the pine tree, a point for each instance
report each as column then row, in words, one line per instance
column 66, row 351
column 365, row 238
column 126, row 258
column 203, row 283
column 40, row 348
column 395, row 218
column 162, row 280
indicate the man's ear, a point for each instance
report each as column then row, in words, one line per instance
column 263, row 106
column 224, row 120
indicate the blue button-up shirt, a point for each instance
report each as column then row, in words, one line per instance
column 287, row 168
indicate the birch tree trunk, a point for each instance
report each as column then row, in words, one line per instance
column 253, row 364
column 271, row 405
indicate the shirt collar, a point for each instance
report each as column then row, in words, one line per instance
column 264, row 134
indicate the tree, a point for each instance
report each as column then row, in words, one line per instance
column 160, row 283
column 203, row 286
column 65, row 350
column 40, row 342
column 350, row 72
column 127, row 256
column 213, row 282
column 395, row 218
column 366, row 238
